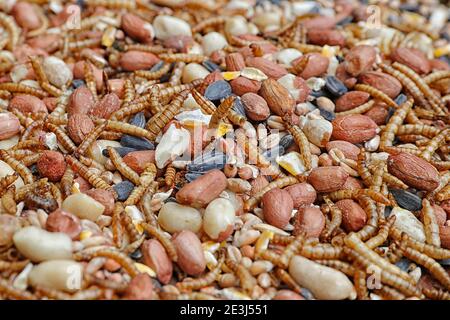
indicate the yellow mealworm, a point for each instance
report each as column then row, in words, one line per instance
column 392, row 127
column 166, row 242
column 358, row 110
column 342, row 266
column 129, row 226
column 321, row 251
column 355, row 193
column 18, row 166
column 112, row 4
column 87, row 174
column 252, row 152
column 122, row 167
column 129, row 92
column 387, row 277
column 382, row 235
column 376, row 94
column 8, row 200
column 128, row 110
column 221, row 112
column 116, row 226
column 90, row 138
column 182, row 57
column 171, row 91
column 22, row 191
column 144, row 47
column 158, row 121
column 303, row 144
column 169, row 176
column 389, row 293
column 436, row 294
column 300, row 66
column 429, row 250
column 67, row 181
column 285, row 277
column 90, row 80
column 31, row 159
column 436, row 270
column 207, row 106
column 111, row 253
column 204, row 281
column 437, row 105
column 336, row 219
column 353, row 242
column 153, row 75
column 359, row 280
column 62, row 137
column 305, row 48
column 208, row 23
column 430, row 225
column 408, row 84
column 6, row 181
column 10, row 25
column 10, row 291
column 377, row 177
column 132, row 247
column 434, row 144
column 371, row 226
column 247, row 281
column 436, row 76
column 21, row 88
column 395, row 150
column 363, row 171
column 127, row 128
column 279, row 183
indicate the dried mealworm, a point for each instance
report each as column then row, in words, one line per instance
column 436, row 76
column 18, row 166
column 409, row 85
column 87, row 174
column 382, row 235
column 166, row 242
column 285, row 277
column 127, row 128
column 434, row 144
column 62, row 137
column 356, row 193
column 247, row 281
column 126, row 263
column 437, row 105
column 153, row 75
column 392, row 127
column 182, row 57
column 389, row 293
column 116, row 225
column 387, row 277
column 21, row 88
column 358, row 110
column 430, row 225
column 336, row 219
column 204, row 281
column 129, row 226
column 169, row 176
column 359, row 280
column 353, row 242
column 208, row 23
column 376, row 94
column 122, row 167
column 6, row 181
column 90, row 138
column 90, row 79
column 67, row 181
column 363, row 171
column 207, row 106
column 158, row 121
column 436, row 294
column 279, row 183
column 8, row 200
column 10, row 291
column 342, row 266
column 436, row 270
column 221, row 112
column 303, row 144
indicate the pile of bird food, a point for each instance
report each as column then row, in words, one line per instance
column 243, row 149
